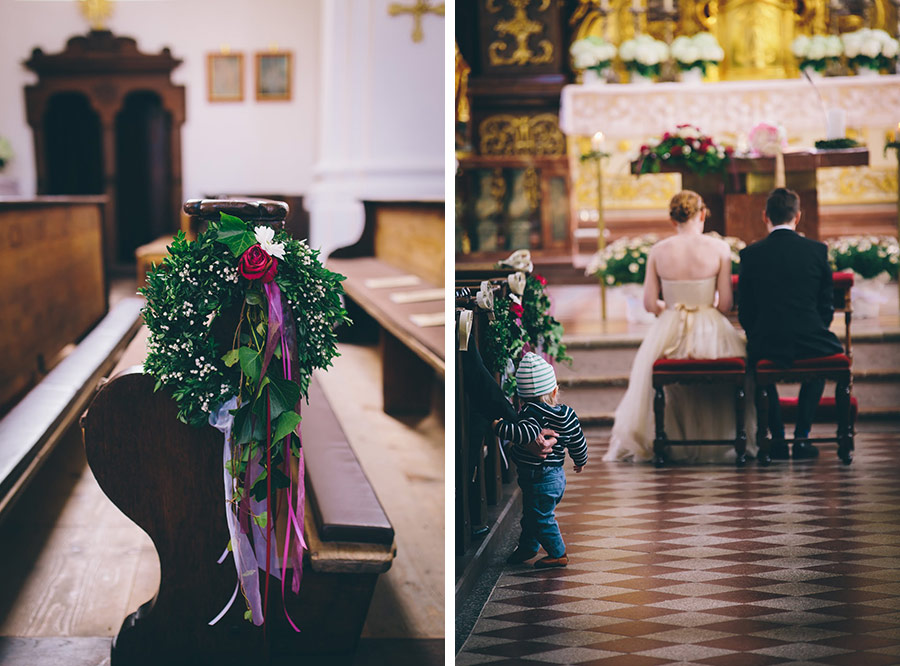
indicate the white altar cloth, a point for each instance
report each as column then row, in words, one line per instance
column 627, row 111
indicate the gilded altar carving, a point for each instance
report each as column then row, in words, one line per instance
column 756, row 36
column 521, row 28
column 506, row 134
column 857, row 185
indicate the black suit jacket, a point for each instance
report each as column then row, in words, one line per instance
column 785, row 299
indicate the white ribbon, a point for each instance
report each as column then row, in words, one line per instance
column 520, row 260
column 465, row 328
column 245, row 561
column 517, row 283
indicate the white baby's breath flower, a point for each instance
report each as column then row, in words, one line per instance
column 265, row 236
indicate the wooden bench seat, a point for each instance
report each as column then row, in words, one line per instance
column 33, row 427
column 400, row 239
column 137, row 450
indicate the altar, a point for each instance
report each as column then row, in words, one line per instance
column 630, row 115
column 736, row 199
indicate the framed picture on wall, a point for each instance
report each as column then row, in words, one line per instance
column 273, row 76
column 225, row 77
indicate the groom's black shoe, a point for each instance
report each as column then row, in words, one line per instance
column 778, row 450
column 804, row 450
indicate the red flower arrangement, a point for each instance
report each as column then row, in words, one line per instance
column 687, row 147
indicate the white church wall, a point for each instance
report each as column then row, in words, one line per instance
column 381, row 116
column 226, row 146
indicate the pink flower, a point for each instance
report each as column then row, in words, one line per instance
column 517, row 309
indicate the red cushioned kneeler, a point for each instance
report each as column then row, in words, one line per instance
column 728, row 371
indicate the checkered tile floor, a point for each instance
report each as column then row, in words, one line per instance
column 795, row 564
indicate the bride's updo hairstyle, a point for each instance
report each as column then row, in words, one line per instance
column 685, row 205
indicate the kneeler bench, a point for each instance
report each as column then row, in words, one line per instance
column 842, row 284
column 832, row 368
column 728, row 371
column 167, row 477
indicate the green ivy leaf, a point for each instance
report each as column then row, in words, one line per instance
column 246, row 428
column 231, row 357
column 251, row 363
column 283, row 395
column 233, row 232
column 262, row 519
column 285, row 425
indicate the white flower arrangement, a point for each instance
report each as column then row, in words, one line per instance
column 870, row 49
column 817, row 51
column 698, row 51
column 643, row 55
column 6, row 152
column 592, row 53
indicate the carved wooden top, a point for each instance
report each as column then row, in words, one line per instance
column 629, row 110
column 262, row 210
column 101, row 51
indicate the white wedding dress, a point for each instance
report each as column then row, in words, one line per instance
column 689, row 327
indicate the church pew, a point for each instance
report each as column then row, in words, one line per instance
column 33, row 427
column 399, row 239
column 54, row 288
column 481, row 472
column 57, row 339
column 167, row 477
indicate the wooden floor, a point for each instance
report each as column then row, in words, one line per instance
column 75, row 566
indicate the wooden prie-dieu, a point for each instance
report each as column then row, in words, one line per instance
column 167, row 477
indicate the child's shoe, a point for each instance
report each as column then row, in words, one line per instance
column 552, row 562
column 519, row 556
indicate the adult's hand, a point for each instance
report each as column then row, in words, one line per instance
column 543, row 445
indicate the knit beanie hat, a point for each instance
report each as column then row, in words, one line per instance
column 535, row 377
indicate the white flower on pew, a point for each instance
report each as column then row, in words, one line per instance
column 265, row 236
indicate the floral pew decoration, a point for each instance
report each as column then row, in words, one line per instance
column 522, row 322
column 238, row 321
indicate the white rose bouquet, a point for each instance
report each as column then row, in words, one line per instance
column 592, row 53
column 868, row 49
column 817, row 51
column 697, row 52
column 6, row 152
column 643, row 55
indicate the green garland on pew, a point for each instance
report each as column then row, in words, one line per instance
column 518, row 324
column 208, row 327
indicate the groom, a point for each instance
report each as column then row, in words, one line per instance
column 785, row 305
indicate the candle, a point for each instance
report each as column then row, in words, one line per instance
column 669, row 6
column 636, row 5
column 597, row 142
column 604, row 6
column 835, row 123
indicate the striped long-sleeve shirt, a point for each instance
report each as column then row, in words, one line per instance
column 532, row 419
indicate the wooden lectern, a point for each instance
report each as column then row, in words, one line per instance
column 737, row 198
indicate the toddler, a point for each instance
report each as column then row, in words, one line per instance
column 542, row 480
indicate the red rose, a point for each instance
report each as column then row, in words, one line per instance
column 540, row 278
column 257, row 264
column 645, row 149
column 729, row 150
column 675, row 150
column 517, row 309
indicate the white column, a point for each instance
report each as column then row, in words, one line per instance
column 381, row 119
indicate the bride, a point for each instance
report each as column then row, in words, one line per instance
column 690, row 270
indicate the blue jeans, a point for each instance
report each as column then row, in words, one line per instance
column 542, row 489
